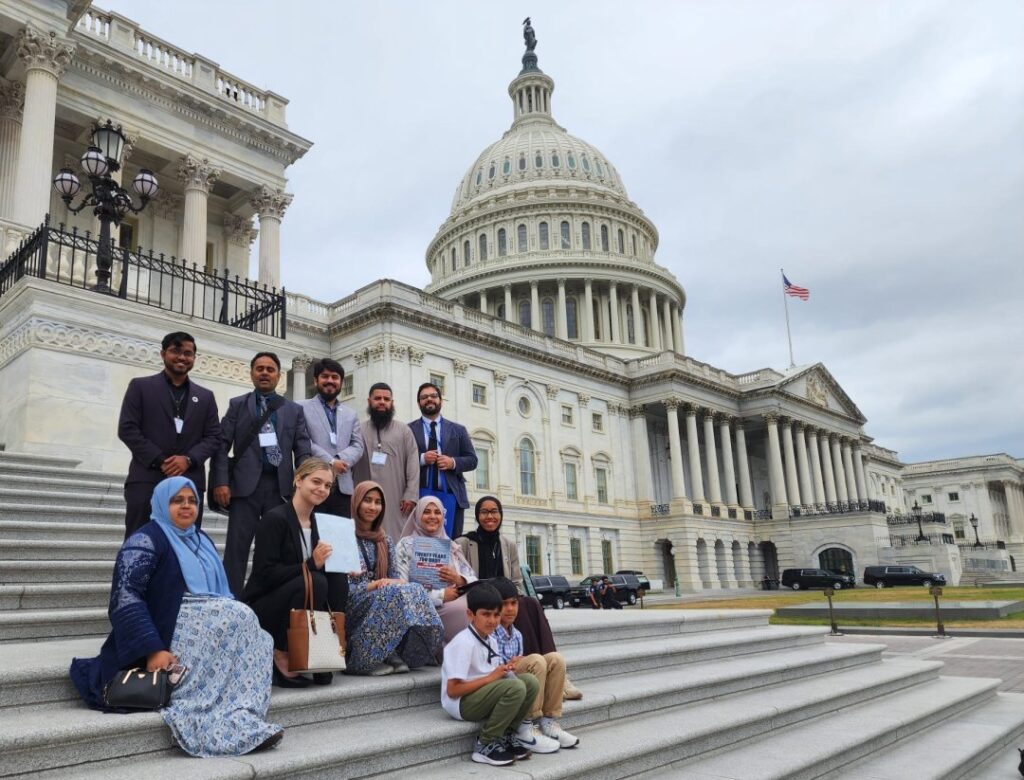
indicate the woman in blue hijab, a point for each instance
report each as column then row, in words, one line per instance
column 170, row 604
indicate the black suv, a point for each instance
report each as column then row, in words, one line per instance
column 645, row 584
column 627, row 588
column 554, row 591
column 798, row 579
column 891, row 576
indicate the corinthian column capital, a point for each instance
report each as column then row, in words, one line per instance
column 12, row 99
column 44, row 51
column 269, row 202
column 197, row 174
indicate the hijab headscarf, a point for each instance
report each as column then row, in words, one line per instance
column 492, row 563
column 414, row 527
column 375, row 535
column 200, row 565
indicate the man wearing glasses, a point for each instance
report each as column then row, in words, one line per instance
column 171, row 426
column 446, row 454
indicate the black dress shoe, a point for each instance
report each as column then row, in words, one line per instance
column 269, row 742
column 322, row 678
column 288, row 682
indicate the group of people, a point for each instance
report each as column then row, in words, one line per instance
column 175, row 605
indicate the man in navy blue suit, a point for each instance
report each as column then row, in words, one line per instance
column 171, row 426
column 446, row 451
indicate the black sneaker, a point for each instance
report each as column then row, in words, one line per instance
column 516, row 746
column 493, row 753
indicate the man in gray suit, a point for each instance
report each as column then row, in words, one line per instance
column 335, row 433
column 268, row 435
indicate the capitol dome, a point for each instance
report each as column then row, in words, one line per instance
column 543, row 234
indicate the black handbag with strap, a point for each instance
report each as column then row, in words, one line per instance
column 243, row 445
column 137, row 689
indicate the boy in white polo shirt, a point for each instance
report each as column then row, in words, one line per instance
column 476, row 686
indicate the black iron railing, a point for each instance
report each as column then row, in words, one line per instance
column 932, row 539
column 926, row 517
column 997, row 545
column 69, row 257
column 836, row 508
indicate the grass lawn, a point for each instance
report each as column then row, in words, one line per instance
column 786, row 598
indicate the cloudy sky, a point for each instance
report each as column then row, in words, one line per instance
column 873, row 149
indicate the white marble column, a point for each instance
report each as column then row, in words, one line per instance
column 534, row 305
column 613, row 314
column 587, row 315
column 561, row 320
column 638, row 319
column 693, row 447
column 240, row 234
column 12, row 103
column 300, row 365
column 655, row 325
column 792, row 487
column 837, row 468
column 666, row 322
column 197, row 176
column 677, row 323
column 483, row 301
column 730, row 472
column 858, row 470
column 746, row 494
column 851, row 479
column 778, row 484
column 675, row 448
column 711, row 456
column 510, row 316
column 803, row 470
column 641, row 453
column 684, row 555
column 270, row 205
column 827, row 469
column 45, row 57
column 816, row 473
column 1014, row 507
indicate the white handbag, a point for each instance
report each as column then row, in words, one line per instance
column 316, row 639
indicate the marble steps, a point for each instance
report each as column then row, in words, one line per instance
column 46, row 470
column 109, row 497
column 14, row 459
column 59, row 513
column 28, row 624
column 25, row 572
column 54, row 596
column 21, row 530
column 353, row 718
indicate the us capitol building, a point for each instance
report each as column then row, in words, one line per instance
column 556, row 336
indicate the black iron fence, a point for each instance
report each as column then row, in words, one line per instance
column 69, row 257
column 926, row 517
column 931, row 539
column 836, row 508
column 997, row 545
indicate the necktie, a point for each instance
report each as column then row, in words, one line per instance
column 272, row 454
column 432, row 445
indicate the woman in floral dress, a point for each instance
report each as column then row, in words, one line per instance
column 391, row 624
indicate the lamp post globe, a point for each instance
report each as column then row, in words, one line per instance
column 916, row 510
column 974, row 524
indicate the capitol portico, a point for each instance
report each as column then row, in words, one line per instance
column 556, row 337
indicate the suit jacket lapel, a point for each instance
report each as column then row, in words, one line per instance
column 164, row 393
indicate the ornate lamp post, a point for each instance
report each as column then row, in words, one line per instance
column 916, row 510
column 974, row 525
column 111, row 201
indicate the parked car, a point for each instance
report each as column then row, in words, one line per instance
column 645, row 584
column 627, row 588
column 553, row 591
column 799, row 579
column 891, row 576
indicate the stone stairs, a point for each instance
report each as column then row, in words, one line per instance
column 667, row 693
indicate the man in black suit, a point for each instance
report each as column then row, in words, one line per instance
column 171, row 426
column 446, row 451
column 265, row 457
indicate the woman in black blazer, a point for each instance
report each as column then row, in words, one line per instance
column 286, row 537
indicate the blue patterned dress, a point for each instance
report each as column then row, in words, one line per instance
column 395, row 618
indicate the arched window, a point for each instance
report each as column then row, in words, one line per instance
column 483, row 247
column 634, row 245
column 604, row 238
column 585, row 229
column 547, row 308
column 542, row 230
column 586, row 164
column 524, row 313
column 572, row 329
column 538, row 160
column 630, row 326
column 555, row 162
column 467, row 253
column 571, row 159
column 522, row 161
column 521, row 238
column 597, row 320
column 502, row 243
column 564, row 231
column 479, row 177
column 622, row 242
column 455, row 262
column 506, row 167
column 527, row 467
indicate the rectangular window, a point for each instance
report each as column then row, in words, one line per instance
column 926, row 498
column 958, row 529
column 438, row 379
column 480, row 394
column 347, row 390
column 597, row 421
column 954, row 496
column 570, row 482
column 533, row 554
column 602, row 486
column 576, row 556
column 606, row 556
column 483, row 468
column 566, row 415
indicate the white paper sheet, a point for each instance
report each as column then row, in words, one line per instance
column 340, row 533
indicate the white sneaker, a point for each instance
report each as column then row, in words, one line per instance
column 530, row 737
column 552, row 730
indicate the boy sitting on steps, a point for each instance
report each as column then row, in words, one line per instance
column 540, row 732
column 477, row 686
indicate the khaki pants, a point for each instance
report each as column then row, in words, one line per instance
column 550, row 673
column 500, row 705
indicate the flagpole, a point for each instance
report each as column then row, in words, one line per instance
column 785, row 306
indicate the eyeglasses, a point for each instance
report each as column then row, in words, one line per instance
column 186, row 353
column 490, row 511
column 428, row 396
column 185, row 501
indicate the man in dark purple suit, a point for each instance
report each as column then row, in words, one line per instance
column 172, row 427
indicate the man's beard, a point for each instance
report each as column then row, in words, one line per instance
column 380, row 419
column 329, row 395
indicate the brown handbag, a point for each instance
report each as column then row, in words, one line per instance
column 316, row 639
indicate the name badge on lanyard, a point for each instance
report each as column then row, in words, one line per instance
column 379, row 458
column 334, row 439
column 268, row 439
column 178, row 424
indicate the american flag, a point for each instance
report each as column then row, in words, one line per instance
column 797, row 292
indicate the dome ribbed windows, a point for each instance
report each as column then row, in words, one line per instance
column 467, row 252
column 604, row 238
column 522, row 161
column 571, row 161
column 506, row 167
column 491, row 172
column 542, row 230
column 521, row 238
column 585, row 230
column 483, row 247
column 538, row 161
column 554, row 160
column 503, row 243
column 564, row 232
column 622, row 242
column 586, row 164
